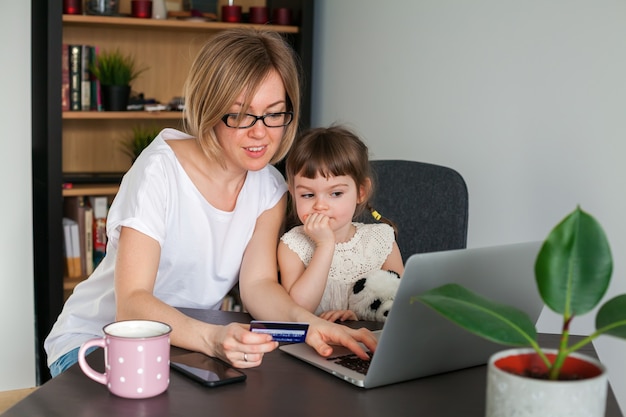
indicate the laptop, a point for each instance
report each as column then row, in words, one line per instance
column 415, row 340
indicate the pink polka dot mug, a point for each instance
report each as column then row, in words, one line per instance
column 136, row 356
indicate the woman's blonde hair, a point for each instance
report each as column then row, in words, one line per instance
column 232, row 62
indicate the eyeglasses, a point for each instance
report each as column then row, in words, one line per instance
column 244, row 121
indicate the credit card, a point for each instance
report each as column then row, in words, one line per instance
column 281, row 331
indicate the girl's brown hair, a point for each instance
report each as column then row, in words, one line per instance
column 232, row 62
column 331, row 152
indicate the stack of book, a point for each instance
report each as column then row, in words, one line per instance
column 84, row 233
column 80, row 90
column 232, row 301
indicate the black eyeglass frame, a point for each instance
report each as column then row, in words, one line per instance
column 257, row 118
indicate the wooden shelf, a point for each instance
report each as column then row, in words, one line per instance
column 118, row 115
column 78, row 190
column 70, row 283
column 168, row 24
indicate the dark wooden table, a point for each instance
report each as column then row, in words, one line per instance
column 281, row 386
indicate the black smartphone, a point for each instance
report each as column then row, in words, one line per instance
column 206, row 370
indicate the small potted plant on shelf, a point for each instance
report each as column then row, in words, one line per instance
column 141, row 138
column 115, row 72
column 573, row 270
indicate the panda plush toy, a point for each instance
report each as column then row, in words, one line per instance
column 372, row 296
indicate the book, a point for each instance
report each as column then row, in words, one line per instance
column 75, row 53
column 88, row 233
column 74, row 209
column 67, row 249
column 77, row 209
column 72, row 248
column 96, row 100
column 65, row 77
column 100, row 208
column 232, row 301
column 85, row 88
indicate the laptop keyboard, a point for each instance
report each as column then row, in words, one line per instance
column 353, row 362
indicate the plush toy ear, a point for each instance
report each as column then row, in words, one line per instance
column 359, row 286
column 376, row 304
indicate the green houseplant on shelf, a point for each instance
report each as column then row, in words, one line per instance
column 115, row 71
column 572, row 270
column 140, row 139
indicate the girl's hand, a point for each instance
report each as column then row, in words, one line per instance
column 237, row 345
column 317, row 227
column 338, row 315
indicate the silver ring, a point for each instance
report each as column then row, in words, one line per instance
column 245, row 357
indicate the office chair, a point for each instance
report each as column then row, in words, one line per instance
column 428, row 203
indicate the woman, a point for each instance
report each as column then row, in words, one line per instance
column 202, row 209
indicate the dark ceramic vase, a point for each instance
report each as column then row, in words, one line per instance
column 115, row 97
column 102, row 7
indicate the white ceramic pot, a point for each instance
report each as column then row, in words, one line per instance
column 159, row 10
column 510, row 395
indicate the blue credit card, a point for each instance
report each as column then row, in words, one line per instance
column 281, row 331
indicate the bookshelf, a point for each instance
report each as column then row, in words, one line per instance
column 121, row 115
column 166, row 48
column 79, row 190
column 73, row 143
column 91, row 22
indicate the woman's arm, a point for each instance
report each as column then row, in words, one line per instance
column 261, row 293
column 135, row 274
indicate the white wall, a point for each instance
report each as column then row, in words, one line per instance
column 526, row 99
column 17, row 322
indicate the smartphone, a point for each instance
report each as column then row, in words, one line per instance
column 206, row 370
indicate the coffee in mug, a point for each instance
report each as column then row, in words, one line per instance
column 136, row 357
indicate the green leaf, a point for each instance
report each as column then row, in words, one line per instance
column 612, row 317
column 140, row 139
column 574, row 265
column 496, row 322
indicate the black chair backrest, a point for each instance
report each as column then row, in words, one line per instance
column 428, row 203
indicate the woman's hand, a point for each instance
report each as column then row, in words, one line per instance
column 237, row 345
column 322, row 334
column 338, row 315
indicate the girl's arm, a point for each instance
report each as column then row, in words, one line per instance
column 305, row 285
column 266, row 299
column 135, row 274
column 394, row 261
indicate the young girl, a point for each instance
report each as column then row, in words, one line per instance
column 329, row 179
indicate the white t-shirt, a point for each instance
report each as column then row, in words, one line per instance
column 201, row 247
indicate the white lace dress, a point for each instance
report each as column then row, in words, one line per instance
column 366, row 251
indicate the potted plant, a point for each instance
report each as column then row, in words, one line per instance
column 572, row 270
column 141, row 138
column 115, row 71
